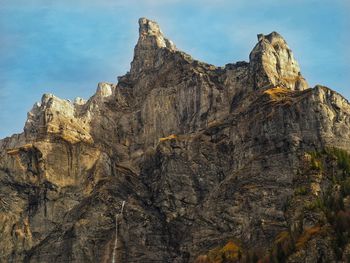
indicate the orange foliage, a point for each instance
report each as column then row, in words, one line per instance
column 307, row 235
column 231, row 252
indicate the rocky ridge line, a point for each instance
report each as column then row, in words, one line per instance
column 201, row 155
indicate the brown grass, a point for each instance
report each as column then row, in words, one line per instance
column 170, row 137
column 277, row 93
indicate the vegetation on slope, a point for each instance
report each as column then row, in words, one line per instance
column 332, row 206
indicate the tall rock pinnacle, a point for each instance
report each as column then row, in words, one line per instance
column 150, row 41
column 151, row 36
column 272, row 62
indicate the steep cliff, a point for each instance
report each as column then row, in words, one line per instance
column 215, row 164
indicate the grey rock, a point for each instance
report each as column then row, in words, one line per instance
column 201, row 155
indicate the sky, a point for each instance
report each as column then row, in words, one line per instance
column 66, row 47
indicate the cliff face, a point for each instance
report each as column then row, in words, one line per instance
column 201, row 155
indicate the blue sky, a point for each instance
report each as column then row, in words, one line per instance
column 66, row 47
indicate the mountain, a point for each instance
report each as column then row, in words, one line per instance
column 182, row 161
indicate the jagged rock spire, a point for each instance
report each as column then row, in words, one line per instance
column 272, row 62
column 151, row 40
column 151, row 36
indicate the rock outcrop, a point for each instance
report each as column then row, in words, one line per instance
column 245, row 155
column 272, row 62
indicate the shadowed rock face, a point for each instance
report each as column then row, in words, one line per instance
column 201, row 155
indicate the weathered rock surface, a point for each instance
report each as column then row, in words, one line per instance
column 201, row 155
column 272, row 62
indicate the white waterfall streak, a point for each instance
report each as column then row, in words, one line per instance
column 116, row 232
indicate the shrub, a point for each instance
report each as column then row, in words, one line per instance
column 345, row 187
column 302, row 190
column 316, row 204
column 342, row 156
column 231, row 252
column 316, row 162
column 307, row 235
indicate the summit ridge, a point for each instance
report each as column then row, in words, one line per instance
column 209, row 164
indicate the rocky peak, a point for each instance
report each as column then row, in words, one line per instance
column 272, row 62
column 55, row 117
column 151, row 41
column 274, row 37
column 104, row 90
column 199, row 155
column 150, row 31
